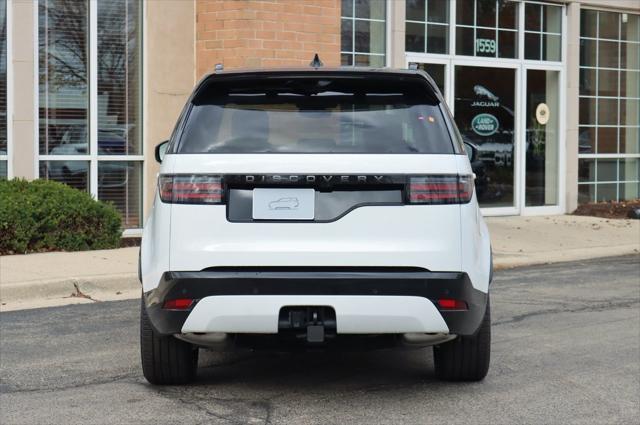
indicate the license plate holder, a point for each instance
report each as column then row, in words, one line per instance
column 283, row 204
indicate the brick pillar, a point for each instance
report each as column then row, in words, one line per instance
column 266, row 33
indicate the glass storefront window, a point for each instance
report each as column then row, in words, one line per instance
column 110, row 167
column 120, row 182
column 487, row 28
column 119, row 78
column 484, row 112
column 427, row 26
column 542, row 138
column 73, row 173
column 363, row 33
column 3, row 89
column 543, row 32
column 609, row 114
column 63, row 38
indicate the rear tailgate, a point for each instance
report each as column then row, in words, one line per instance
column 371, row 234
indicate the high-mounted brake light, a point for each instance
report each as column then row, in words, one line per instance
column 191, row 189
column 440, row 189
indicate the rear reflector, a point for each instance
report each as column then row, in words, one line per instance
column 179, row 304
column 440, row 189
column 191, row 189
column 451, row 304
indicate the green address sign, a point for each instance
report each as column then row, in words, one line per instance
column 485, row 45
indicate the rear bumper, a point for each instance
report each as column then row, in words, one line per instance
column 366, row 300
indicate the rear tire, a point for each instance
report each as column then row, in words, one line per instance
column 166, row 360
column 466, row 358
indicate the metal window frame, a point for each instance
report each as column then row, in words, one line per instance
column 596, row 155
column 93, row 157
column 387, row 34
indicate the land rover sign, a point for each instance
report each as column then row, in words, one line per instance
column 484, row 124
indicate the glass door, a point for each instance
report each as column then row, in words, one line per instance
column 542, row 131
column 484, row 109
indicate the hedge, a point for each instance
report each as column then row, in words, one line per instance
column 45, row 215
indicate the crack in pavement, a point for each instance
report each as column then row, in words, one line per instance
column 238, row 411
column 109, row 380
column 597, row 307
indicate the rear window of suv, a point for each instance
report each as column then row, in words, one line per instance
column 315, row 113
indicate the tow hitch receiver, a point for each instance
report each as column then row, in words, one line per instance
column 312, row 324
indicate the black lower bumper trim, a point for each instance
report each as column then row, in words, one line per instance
column 317, row 281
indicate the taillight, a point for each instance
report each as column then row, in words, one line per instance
column 190, row 189
column 440, row 189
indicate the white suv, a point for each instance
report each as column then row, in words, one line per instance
column 317, row 208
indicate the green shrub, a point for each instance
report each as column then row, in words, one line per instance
column 49, row 216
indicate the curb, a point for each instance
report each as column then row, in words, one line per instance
column 64, row 291
column 512, row 260
column 48, row 293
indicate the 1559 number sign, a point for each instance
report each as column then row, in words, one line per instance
column 484, row 45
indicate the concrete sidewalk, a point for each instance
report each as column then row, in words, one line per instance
column 39, row 280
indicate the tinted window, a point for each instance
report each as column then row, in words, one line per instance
column 315, row 114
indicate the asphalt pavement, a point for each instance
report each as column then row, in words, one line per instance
column 566, row 349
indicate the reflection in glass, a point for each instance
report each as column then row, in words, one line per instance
column 607, row 170
column 586, row 193
column 436, row 71
column 608, row 54
column 587, row 82
column 415, row 10
column 363, row 34
column 632, row 134
column 542, row 142
column 437, row 39
column 552, row 19
column 464, row 41
column 370, row 37
column 485, row 13
column 484, row 113
column 607, row 140
column 414, row 37
column 63, row 75
column 586, row 140
column 551, row 47
column 608, row 25
column 370, row 9
column 507, row 43
column 609, row 43
column 72, row 173
column 438, row 11
column 606, row 192
column 586, row 170
column 607, row 82
column 120, row 183
column 119, row 77
column 346, row 38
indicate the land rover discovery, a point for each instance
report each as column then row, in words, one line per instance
column 318, row 207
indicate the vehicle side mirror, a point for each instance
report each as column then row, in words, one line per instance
column 471, row 151
column 161, row 150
